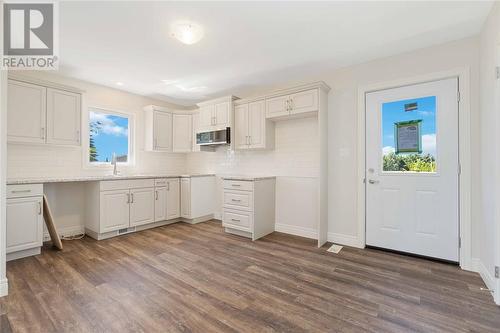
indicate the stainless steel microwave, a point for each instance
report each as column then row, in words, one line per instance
column 219, row 137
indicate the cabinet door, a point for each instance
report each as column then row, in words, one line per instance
column 160, row 204
column 305, row 101
column 24, row 223
column 26, row 111
column 277, row 107
column 162, row 137
column 173, row 199
column 183, row 132
column 142, row 209
column 206, row 120
column 241, row 126
column 196, row 127
column 114, row 210
column 186, row 197
column 63, row 117
column 256, row 124
column 221, row 114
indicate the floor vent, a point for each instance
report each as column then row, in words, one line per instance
column 335, row 248
column 126, row 230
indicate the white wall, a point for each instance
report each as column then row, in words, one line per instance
column 295, row 162
column 67, row 200
column 489, row 101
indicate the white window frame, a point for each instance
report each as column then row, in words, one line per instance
column 86, row 138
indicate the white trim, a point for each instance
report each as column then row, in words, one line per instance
column 85, row 137
column 347, row 240
column 66, row 232
column 479, row 267
column 41, row 82
column 4, row 287
column 463, row 76
column 296, row 230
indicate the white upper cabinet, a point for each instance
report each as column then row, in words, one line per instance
column 215, row 114
column 37, row 114
column 241, row 126
column 206, row 116
column 196, row 126
column 300, row 103
column 252, row 131
column 157, row 129
column 182, row 133
column 277, row 107
column 63, row 117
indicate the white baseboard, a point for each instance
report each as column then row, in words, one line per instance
column 66, row 232
column 4, row 287
column 218, row 216
column 489, row 280
column 296, row 230
column 347, row 240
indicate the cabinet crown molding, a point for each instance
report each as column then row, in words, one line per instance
column 45, row 83
column 229, row 98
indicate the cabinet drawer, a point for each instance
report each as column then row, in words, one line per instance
column 161, row 182
column 242, row 185
column 24, row 190
column 123, row 184
column 238, row 200
column 237, row 220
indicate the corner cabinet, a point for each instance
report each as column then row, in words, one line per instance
column 43, row 115
column 252, row 130
column 196, row 205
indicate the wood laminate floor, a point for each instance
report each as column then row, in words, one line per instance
column 196, row 278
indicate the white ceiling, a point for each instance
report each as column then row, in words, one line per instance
column 246, row 44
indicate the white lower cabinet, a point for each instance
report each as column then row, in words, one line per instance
column 248, row 206
column 142, row 206
column 114, row 210
column 24, row 220
column 121, row 206
column 197, row 198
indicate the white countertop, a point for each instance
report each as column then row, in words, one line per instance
column 246, row 177
column 43, row 180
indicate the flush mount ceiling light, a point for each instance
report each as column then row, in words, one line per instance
column 119, row 83
column 187, row 32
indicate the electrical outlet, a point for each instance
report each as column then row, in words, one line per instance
column 497, row 272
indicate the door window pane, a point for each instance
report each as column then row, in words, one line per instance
column 409, row 135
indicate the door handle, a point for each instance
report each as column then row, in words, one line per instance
column 371, row 181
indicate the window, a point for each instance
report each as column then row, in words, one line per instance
column 109, row 133
column 409, row 135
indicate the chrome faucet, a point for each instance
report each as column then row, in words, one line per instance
column 113, row 163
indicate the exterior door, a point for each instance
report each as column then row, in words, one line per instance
column 412, row 169
column 142, row 209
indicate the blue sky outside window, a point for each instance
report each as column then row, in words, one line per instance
column 393, row 112
column 109, row 134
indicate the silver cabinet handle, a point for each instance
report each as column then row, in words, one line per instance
column 131, row 197
column 235, row 220
column 168, row 186
column 78, row 136
column 249, row 140
column 371, row 181
column 236, row 185
column 42, row 132
column 291, row 103
column 39, row 208
column 235, row 200
column 156, row 195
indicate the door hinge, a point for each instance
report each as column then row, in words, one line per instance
column 498, row 72
column 497, row 272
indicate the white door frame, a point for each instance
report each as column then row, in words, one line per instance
column 464, row 142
